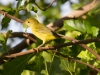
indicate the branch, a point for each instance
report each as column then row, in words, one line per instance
column 16, row 49
column 46, row 7
column 18, row 34
column 10, row 16
column 53, row 47
column 74, row 14
column 22, row 35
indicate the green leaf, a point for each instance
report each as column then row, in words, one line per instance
column 19, row 4
column 16, row 66
column 35, row 9
column 74, row 25
column 30, row 1
column 67, row 66
column 25, row 26
column 73, row 34
column 36, row 63
column 87, row 26
column 28, row 72
column 5, row 8
column 69, row 25
column 98, row 73
column 79, row 26
column 5, row 22
column 55, row 67
column 29, row 7
column 27, row 1
column 85, row 56
column 97, row 64
column 95, row 31
column 83, row 26
column 7, row 35
column 2, row 38
column 47, row 56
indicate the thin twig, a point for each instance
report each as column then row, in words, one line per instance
column 10, row 16
column 92, row 2
column 46, row 7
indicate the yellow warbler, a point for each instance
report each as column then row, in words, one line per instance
column 40, row 30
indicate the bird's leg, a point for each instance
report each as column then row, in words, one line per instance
column 40, row 45
column 37, row 49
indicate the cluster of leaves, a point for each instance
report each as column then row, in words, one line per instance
column 3, row 40
column 48, row 63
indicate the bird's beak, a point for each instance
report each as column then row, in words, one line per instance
column 25, row 26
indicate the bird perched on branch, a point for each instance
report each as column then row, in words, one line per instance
column 40, row 30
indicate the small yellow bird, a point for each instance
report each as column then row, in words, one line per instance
column 40, row 30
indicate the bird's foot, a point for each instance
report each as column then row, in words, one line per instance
column 47, row 46
column 73, row 41
column 36, row 49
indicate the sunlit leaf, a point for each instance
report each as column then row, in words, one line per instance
column 67, row 66
column 2, row 38
column 35, row 9
column 74, row 25
column 5, row 22
column 47, row 56
column 19, row 3
column 73, row 34
column 7, row 34
column 87, row 26
column 17, row 67
column 29, row 7
column 95, row 31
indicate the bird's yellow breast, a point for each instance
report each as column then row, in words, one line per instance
column 42, row 32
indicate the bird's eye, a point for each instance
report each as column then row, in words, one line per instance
column 28, row 22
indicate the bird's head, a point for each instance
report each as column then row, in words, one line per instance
column 30, row 21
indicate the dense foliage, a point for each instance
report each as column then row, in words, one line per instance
column 48, row 62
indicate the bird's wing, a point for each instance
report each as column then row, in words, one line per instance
column 43, row 29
